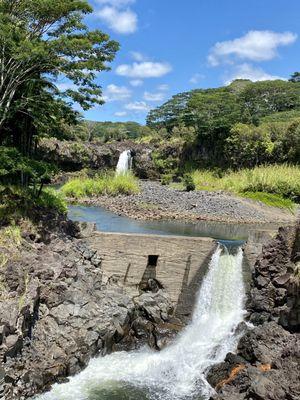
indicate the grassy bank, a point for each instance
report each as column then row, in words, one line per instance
column 102, row 185
column 276, row 185
column 17, row 203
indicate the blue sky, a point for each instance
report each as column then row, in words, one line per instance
column 170, row 46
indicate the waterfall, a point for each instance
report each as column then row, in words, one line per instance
column 178, row 371
column 125, row 163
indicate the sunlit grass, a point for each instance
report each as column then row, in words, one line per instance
column 276, row 185
column 102, row 185
column 273, row 200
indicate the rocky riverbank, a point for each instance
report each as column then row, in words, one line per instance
column 156, row 201
column 58, row 309
column 267, row 363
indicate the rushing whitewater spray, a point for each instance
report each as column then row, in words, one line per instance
column 124, row 163
column 178, row 371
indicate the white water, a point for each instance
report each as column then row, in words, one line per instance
column 177, row 372
column 125, row 163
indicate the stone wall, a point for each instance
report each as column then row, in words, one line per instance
column 176, row 263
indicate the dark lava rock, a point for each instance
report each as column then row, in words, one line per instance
column 56, row 313
column 267, row 363
column 74, row 156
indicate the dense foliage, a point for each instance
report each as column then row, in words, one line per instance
column 103, row 132
column 240, row 125
column 43, row 42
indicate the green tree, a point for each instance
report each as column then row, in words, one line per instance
column 295, row 77
column 40, row 41
column 214, row 112
column 249, row 145
column 172, row 113
column 259, row 99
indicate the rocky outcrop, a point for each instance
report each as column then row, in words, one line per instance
column 267, row 363
column 74, row 156
column 58, row 309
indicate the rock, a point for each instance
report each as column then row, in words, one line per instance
column 267, row 363
column 58, row 311
column 74, row 156
column 85, row 229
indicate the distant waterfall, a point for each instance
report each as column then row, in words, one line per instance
column 178, row 371
column 125, row 163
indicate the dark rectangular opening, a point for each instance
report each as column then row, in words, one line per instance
column 152, row 260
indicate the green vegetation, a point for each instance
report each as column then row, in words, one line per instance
column 53, row 200
column 17, row 203
column 104, row 132
column 102, row 185
column 10, row 240
column 272, row 200
column 35, row 51
column 277, row 185
column 242, row 125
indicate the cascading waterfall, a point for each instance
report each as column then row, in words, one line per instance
column 125, row 163
column 178, row 371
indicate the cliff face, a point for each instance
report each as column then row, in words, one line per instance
column 74, row 156
column 267, row 363
column 275, row 293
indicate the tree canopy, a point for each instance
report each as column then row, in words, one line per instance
column 41, row 41
column 232, row 123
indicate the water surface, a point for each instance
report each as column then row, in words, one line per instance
column 107, row 221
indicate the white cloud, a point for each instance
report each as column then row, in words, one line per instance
column 154, row 96
column 255, row 46
column 136, row 82
column 116, row 3
column 116, row 93
column 138, row 106
column 144, row 70
column 196, row 78
column 163, row 88
column 248, row 71
column 137, row 56
column 120, row 21
column 121, row 114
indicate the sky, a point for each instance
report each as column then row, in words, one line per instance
column 171, row 46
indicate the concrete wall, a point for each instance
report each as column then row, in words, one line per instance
column 181, row 263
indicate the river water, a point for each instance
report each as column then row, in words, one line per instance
column 107, row 221
column 178, row 371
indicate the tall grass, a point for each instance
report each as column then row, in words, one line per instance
column 282, row 181
column 102, row 185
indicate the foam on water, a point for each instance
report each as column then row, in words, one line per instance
column 177, row 372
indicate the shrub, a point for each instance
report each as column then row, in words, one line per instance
column 166, row 179
column 102, row 185
column 52, row 199
column 189, row 183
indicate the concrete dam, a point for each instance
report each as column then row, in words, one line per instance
column 178, row 264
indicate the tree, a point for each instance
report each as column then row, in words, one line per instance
column 295, row 77
column 172, row 113
column 259, row 99
column 249, row 145
column 40, row 41
column 214, row 112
